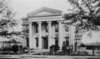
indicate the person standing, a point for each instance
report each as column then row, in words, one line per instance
column 15, row 48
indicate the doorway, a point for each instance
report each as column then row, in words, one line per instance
column 37, row 42
column 45, row 42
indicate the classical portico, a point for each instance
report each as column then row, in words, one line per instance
column 46, row 28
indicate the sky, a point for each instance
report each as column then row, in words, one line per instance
column 23, row 7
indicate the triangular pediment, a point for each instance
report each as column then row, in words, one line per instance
column 45, row 12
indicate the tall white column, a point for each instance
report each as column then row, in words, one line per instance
column 30, row 35
column 50, row 39
column 33, row 38
column 60, row 34
column 40, row 35
column 32, row 41
column 72, row 36
column 69, row 33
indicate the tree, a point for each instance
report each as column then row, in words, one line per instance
column 85, row 14
column 6, row 19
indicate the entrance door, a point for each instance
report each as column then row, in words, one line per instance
column 37, row 42
column 45, row 43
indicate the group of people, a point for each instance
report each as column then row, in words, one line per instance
column 15, row 49
column 66, row 49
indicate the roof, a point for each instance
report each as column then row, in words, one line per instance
column 44, row 11
column 91, row 38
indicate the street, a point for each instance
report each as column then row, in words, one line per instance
column 46, row 57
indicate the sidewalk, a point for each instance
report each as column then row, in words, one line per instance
column 38, row 51
column 23, row 56
column 48, row 57
column 32, row 55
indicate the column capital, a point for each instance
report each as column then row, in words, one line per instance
column 49, row 21
column 39, row 22
column 30, row 23
column 60, row 21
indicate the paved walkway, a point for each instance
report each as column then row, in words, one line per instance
column 48, row 57
column 31, row 56
column 38, row 51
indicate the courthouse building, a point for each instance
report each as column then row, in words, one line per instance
column 45, row 27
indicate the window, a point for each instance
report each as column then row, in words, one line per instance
column 56, row 28
column 35, row 27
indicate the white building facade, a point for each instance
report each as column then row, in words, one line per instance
column 46, row 28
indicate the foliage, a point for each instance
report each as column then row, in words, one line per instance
column 6, row 18
column 85, row 13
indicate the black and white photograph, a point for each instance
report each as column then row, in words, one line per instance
column 49, row 29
